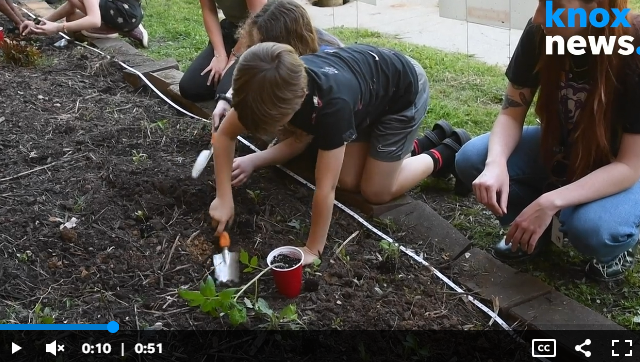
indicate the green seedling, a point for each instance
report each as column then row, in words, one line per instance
column 288, row 315
column 255, row 195
column 336, row 324
column 41, row 316
column 216, row 304
column 79, row 204
column 24, row 257
column 251, row 264
column 413, row 349
column 221, row 303
column 162, row 124
column 138, row 157
column 141, row 216
column 390, row 251
column 342, row 254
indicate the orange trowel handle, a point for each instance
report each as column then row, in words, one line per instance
column 225, row 241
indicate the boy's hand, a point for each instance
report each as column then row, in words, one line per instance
column 47, row 28
column 26, row 27
column 242, row 168
column 309, row 256
column 221, row 213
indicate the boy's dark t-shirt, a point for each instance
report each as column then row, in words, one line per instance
column 575, row 85
column 351, row 88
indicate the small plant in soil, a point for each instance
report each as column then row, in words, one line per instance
column 138, row 157
column 287, row 316
column 24, row 257
column 254, row 195
column 215, row 303
column 387, row 224
column 313, row 268
column 342, row 254
column 161, row 124
column 285, row 260
column 390, row 251
column 20, row 53
column 141, row 216
column 79, row 204
column 43, row 316
column 250, row 263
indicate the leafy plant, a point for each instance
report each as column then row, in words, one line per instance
column 41, row 316
column 389, row 250
column 214, row 303
column 251, row 264
column 288, row 314
column 138, row 157
column 161, row 124
column 342, row 254
column 20, row 53
column 255, row 195
column 221, row 303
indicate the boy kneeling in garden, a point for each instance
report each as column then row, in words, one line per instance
column 94, row 19
column 362, row 104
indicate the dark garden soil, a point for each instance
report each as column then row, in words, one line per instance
column 77, row 142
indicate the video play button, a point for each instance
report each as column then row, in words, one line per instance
column 15, row 348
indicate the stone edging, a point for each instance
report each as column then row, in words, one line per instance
column 521, row 297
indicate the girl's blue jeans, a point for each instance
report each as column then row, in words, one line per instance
column 602, row 229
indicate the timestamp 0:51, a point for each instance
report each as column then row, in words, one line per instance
column 138, row 348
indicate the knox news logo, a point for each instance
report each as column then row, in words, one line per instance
column 578, row 44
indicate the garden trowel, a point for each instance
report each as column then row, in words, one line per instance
column 226, row 264
column 202, row 160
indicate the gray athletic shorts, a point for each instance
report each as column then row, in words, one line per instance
column 391, row 137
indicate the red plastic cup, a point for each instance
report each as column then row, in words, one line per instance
column 1, row 34
column 288, row 281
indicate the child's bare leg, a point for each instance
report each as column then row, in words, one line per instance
column 7, row 8
column 384, row 181
column 384, row 178
column 76, row 15
column 355, row 156
column 77, row 5
column 16, row 11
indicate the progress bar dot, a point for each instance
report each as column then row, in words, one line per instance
column 113, row 327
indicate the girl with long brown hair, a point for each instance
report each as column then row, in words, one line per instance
column 575, row 176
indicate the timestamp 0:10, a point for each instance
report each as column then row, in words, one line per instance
column 138, row 348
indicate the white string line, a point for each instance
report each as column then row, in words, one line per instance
column 409, row 252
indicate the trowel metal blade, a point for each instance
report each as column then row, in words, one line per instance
column 227, row 267
column 201, row 163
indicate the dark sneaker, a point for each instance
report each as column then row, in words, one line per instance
column 140, row 35
column 614, row 270
column 503, row 252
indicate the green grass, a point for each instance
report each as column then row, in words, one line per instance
column 467, row 93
